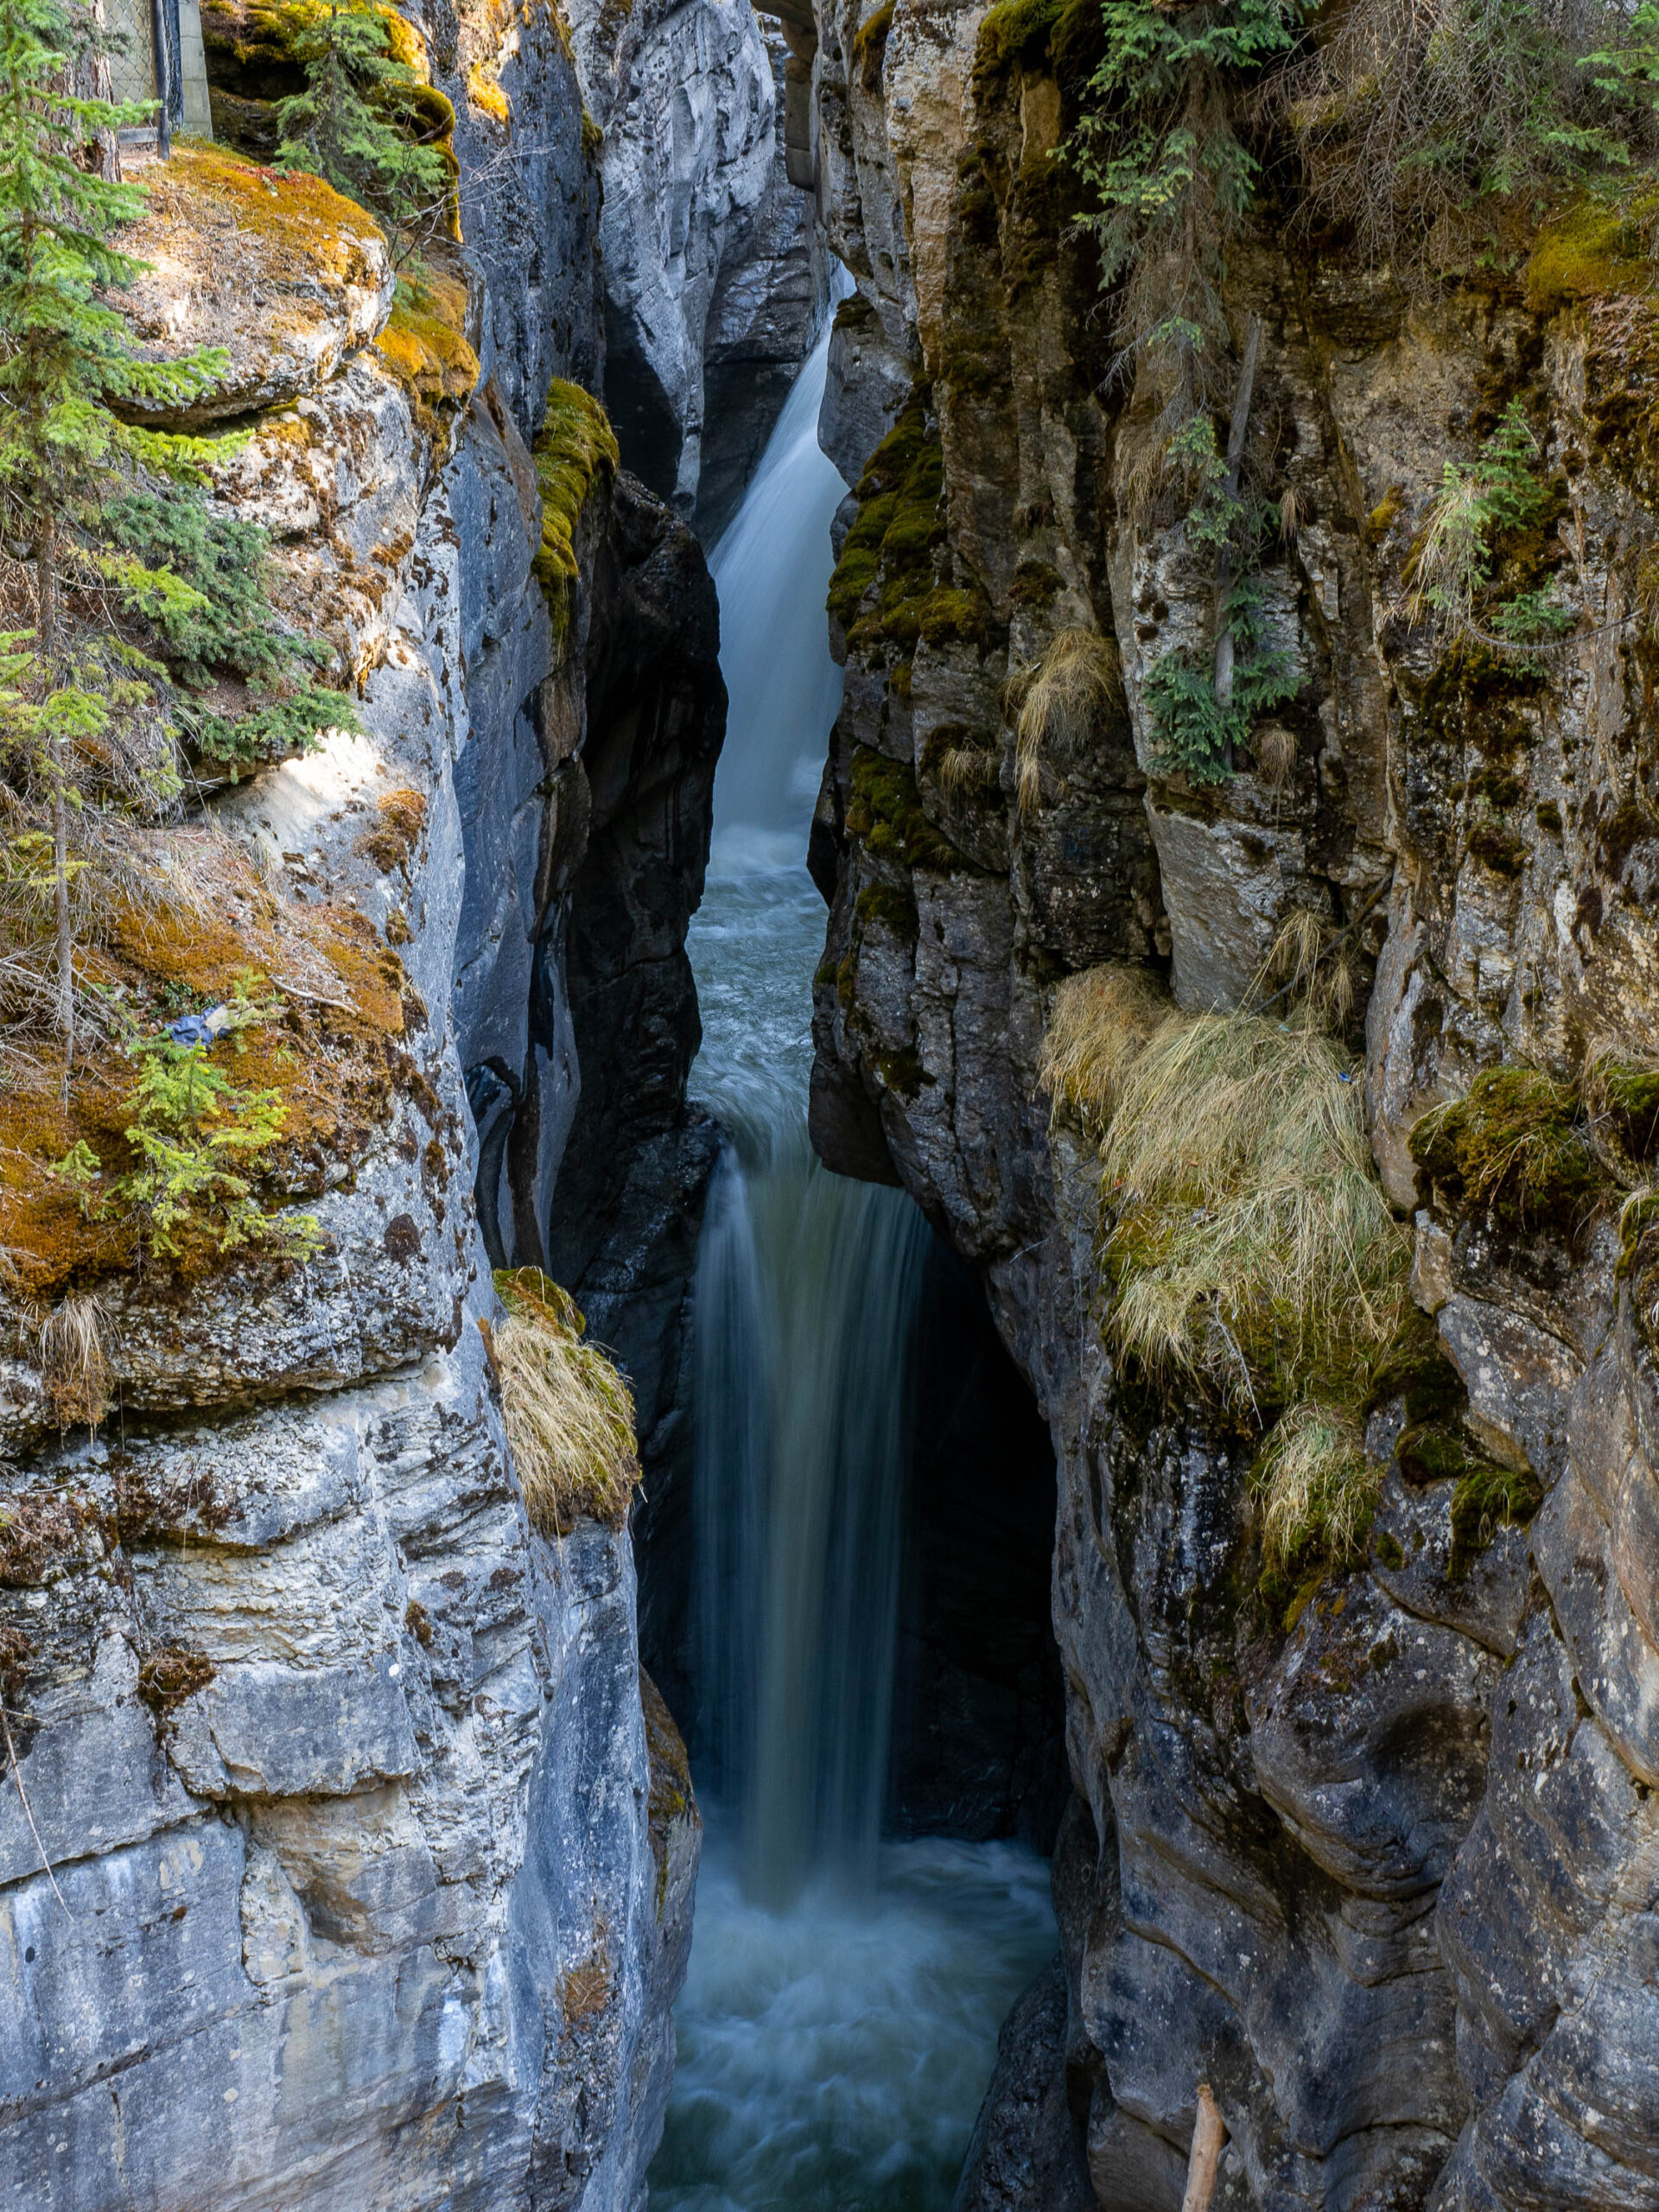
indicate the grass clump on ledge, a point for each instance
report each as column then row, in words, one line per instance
column 1254, row 1255
column 576, row 446
column 568, row 1414
column 1079, row 677
column 1254, row 1258
column 1317, row 1492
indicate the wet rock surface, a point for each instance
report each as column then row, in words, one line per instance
column 1377, row 1866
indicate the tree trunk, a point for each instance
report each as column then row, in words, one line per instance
column 91, row 81
column 1237, row 432
column 46, row 577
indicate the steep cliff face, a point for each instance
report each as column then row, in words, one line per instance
column 715, row 282
column 1378, row 1864
column 343, row 1860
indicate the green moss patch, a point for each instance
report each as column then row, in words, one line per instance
column 895, row 909
column 886, row 816
column 870, row 46
column 1594, row 250
column 1034, row 34
column 423, row 345
column 1433, row 1452
column 885, row 569
column 1415, row 1370
column 575, row 448
column 950, row 616
column 1484, row 1501
column 1513, row 1146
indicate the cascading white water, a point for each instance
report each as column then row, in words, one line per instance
column 808, row 1284
column 839, row 2019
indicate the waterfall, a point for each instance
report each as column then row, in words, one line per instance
column 840, row 2015
column 807, row 1284
column 772, row 569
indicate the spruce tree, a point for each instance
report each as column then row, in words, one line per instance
column 348, row 125
column 68, row 369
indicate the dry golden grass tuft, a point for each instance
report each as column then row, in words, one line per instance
column 1309, row 967
column 1254, row 1252
column 968, row 770
column 568, row 1414
column 397, row 832
column 1078, row 677
column 586, row 1988
column 1316, row 1488
column 1274, row 748
column 75, row 1362
column 1099, row 1020
column 1254, row 1256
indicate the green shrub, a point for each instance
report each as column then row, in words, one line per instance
column 1195, row 734
column 1159, row 152
column 364, row 116
column 1408, row 118
column 201, row 1141
column 221, row 623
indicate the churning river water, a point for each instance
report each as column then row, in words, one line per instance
column 838, row 2024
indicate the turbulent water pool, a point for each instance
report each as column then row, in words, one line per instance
column 834, row 2055
column 838, row 2024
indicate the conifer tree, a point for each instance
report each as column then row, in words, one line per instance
column 68, row 367
column 346, row 127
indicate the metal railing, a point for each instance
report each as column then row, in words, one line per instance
column 131, row 28
column 145, row 58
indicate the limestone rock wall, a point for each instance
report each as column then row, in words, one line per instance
column 338, row 1862
column 1384, row 1879
column 714, row 278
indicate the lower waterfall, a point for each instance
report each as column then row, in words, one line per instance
column 839, row 2019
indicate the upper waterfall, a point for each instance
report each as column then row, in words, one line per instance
column 772, row 569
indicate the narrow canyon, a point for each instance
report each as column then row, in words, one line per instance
column 829, row 1106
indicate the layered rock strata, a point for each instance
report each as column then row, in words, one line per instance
column 1381, row 1870
column 343, row 1859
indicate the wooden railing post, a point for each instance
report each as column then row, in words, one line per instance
column 1209, row 2133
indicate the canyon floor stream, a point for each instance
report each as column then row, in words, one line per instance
column 839, row 2022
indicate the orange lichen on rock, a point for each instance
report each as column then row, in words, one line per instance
column 389, row 844
column 487, row 95
column 422, row 343
column 329, row 1044
column 295, row 218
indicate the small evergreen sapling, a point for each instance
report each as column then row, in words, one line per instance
column 1172, row 178
column 131, row 580
column 348, row 125
column 199, row 1140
